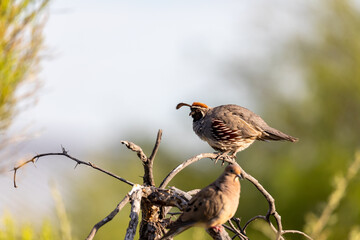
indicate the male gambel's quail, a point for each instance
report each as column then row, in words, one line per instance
column 231, row 128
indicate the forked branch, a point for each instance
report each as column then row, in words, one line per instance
column 148, row 178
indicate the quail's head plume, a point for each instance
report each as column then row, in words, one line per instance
column 231, row 128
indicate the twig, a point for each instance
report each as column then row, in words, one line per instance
column 296, row 232
column 272, row 209
column 183, row 165
column 237, row 232
column 78, row 162
column 157, row 145
column 135, row 148
column 136, row 194
column 148, row 178
column 109, row 217
column 253, row 219
column 218, row 235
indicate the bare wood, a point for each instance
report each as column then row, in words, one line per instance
column 183, row 165
column 238, row 232
column 157, row 145
column 148, row 178
column 135, row 148
column 297, row 232
column 220, row 235
column 165, row 197
column 78, row 162
column 148, row 166
column 136, row 196
column 108, row 218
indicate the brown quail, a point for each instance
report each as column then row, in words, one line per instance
column 212, row 206
column 231, row 128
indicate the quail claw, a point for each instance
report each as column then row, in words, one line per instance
column 217, row 228
column 224, row 157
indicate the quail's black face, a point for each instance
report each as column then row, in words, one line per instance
column 196, row 113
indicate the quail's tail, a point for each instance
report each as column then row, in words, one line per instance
column 276, row 135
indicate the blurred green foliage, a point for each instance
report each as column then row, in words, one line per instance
column 21, row 39
column 9, row 230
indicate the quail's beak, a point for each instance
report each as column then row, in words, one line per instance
column 182, row 104
column 240, row 176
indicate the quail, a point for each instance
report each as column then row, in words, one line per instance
column 231, row 128
column 213, row 205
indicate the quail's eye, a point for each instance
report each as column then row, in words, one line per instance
column 231, row 170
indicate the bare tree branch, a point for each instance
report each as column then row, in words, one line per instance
column 165, row 197
column 136, row 195
column 220, row 235
column 78, row 162
column 238, row 232
column 297, row 232
column 148, row 178
column 109, row 217
column 157, row 145
column 135, row 148
column 183, row 165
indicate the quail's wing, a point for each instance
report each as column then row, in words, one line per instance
column 257, row 125
column 235, row 122
column 204, row 206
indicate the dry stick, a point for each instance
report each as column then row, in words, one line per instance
column 78, row 162
column 157, row 145
column 136, row 195
column 237, row 232
column 297, row 232
column 148, row 166
column 270, row 200
column 109, row 217
column 148, row 178
column 176, row 170
column 218, row 235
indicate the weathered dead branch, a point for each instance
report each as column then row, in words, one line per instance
column 155, row 203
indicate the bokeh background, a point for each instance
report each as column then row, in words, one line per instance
column 107, row 71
